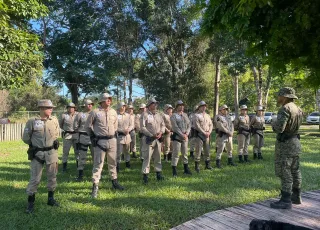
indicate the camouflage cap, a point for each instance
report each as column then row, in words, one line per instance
column 202, row 103
column 223, row 107
column 104, row 97
column 151, row 101
column 130, row 106
column 71, row 105
column 142, row 106
column 45, row 103
column 260, row 108
column 244, row 107
column 88, row 102
column 287, row 92
column 167, row 106
column 179, row 103
column 121, row 104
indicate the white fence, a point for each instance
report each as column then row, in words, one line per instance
column 11, row 132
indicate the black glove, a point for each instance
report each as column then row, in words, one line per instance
column 56, row 144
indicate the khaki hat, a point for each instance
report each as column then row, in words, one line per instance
column 121, row 104
column 142, row 106
column 71, row 105
column 45, row 103
column 88, row 102
column 104, row 97
column 151, row 101
column 243, row 107
column 287, row 92
column 130, row 107
column 260, row 108
column 179, row 103
column 223, row 107
column 195, row 108
column 202, row 103
column 167, row 106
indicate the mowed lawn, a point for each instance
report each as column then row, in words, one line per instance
column 159, row 205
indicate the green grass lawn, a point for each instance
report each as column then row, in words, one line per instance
column 159, row 205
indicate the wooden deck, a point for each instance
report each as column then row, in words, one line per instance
column 307, row 215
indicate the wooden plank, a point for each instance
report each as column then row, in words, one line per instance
column 212, row 224
column 196, row 224
column 240, row 218
column 226, row 221
column 1, row 132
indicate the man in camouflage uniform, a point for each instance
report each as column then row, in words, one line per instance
column 242, row 125
column 133, row 142
column 181, row 128
column 152, row 126
column 167, row 143
column 41, row 134
column 287, row 149
column 83, row 140
column 70, row 137
column 101, row 126
column 142, row 109
column 257, row 127
column 224, row 134
column 125, row 125
column 192, row 132
column 203, row 126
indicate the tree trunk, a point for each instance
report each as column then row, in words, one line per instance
column 236, row 94
column 73, row 88
column 130, row 77
column 268, row 86
column 318, row 102
column 216, row 86
column 125, row 91
column 257, row 75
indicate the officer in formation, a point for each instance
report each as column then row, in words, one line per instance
column 133, row 148
column 181, row 128
column 142, row 109
column 101, row 126
column 192, row 132
column 153, row 127
column 70, row 137
column 242, row 125
column 203, row 128
column 41, row 134
column 167, row 144
column 287, row 149
column 257, row 127
column 224, row 134
column 125, row 126
column 84, row 141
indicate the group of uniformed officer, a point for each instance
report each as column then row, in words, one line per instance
column 111, row 134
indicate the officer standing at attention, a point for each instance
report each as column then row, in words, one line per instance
column 224, row 131
column 242, row 124
column 287, row 149
column 125, row 125
column 152, row 126
column 167, row 144
column 181, row 128
column 133, row 147
column 70, row 137
column 192, row 132
column 257, row 127
column 41, row 134
column 203, row 126
column 101, row 126
column 142, row 109
column 84, row 140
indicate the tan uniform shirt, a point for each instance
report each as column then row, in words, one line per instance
column 224, row 124
column 152, row 124
column 66, row 123
column 167, row 122
column 41, row 134
column 137, row 122
column 125, row 123
column 258, row 124
column 202, row 123
column 180, row 124
column 242, row 122
column 102, row 122
column 80, row 122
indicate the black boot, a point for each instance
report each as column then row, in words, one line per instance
column 95, row 189
column 145, row 178
column 165, row 157
column 51, row 200
column 255, row 156
column 230, row 162
column 64, row 167
column 186, row 169
column 159, row 176
column 196, row 166
column 80, row 177
column 296, row 196
column 260, row 156
column 128, row 164
column 218, row 164
column 208, row 166
column 30, row 207
column 191, row 154
column 240, row 159
column 246, row 159
column 174, row 171
column 122, row 157
column 284, row 202
column 169, row 156
column 134, row 155
column 118, row 167
column 116, row 185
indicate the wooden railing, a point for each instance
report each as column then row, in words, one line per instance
column 11, row 132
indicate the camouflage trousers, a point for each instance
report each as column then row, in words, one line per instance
column 287, row 164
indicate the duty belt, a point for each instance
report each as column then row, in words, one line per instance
column 42, row 150
column 103, row 138
column 71, row 132
column 83, row 133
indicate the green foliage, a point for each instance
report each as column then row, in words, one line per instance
column 20, row 49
